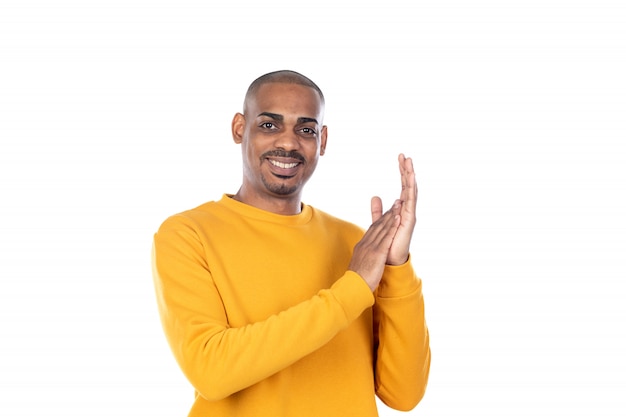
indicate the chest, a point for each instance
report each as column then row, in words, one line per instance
column 260, row 272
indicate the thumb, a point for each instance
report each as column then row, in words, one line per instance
column 377, row 208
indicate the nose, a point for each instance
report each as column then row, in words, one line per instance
column 287, row 140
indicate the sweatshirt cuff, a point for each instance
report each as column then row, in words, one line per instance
column 353, row 294
column 398, row 281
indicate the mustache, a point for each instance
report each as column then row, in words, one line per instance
column 283, row 154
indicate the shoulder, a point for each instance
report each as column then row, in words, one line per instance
column 332, row 222
column 192, row 217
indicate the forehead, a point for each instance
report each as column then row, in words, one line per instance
column 285, row 99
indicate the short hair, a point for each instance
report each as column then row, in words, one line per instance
column 283, row 76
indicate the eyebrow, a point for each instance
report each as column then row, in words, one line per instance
column 280, row 118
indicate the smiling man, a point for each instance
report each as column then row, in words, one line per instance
column 274, row 308
column 282, row 138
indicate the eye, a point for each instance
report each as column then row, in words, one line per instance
column 308, row 131
column 268, row 125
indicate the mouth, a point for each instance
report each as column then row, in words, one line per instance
column 284, row 167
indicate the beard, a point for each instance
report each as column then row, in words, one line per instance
column 279, row 188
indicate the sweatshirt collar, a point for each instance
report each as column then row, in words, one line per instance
column 246, row 210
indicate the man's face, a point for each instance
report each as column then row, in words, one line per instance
column 282, row 137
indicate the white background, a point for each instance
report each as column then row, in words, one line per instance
column 116, row 114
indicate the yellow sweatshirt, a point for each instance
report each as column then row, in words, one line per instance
column 265, row 320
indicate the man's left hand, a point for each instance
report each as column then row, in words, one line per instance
column 399, row 251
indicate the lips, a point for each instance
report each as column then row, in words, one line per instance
column 283, row 167
column 283, row 164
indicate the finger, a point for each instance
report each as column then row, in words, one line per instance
column 386, row 224
column 401, row 162
column 380, row 234
column 377, row 208
column 407, row 174
column 390, row 230
column 397, row 207
column 409, row 187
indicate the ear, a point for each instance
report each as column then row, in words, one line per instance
column 237, row 127
column 323, row 139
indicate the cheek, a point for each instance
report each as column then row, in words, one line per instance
column 248, row 151
column 313, row 159
column 247, row 159
column 316, row 152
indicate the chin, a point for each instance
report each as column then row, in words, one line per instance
column 281, row 189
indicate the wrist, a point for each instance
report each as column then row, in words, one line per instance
column 397, row 261
column 398, row 281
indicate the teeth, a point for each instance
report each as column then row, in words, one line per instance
column 283, row 165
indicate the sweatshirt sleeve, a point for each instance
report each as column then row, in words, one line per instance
column 401, row 337
column 220, row 360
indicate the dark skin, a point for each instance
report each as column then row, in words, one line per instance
column 282, row 137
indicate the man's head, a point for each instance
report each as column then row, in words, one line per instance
column 282, row 76
column 282, row 137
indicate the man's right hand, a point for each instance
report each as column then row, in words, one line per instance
column 370, row 253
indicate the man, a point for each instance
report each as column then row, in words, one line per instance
column 274, row 308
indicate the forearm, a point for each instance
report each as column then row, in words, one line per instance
column 403, row 350
column 224, row 362
column 220, row 360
